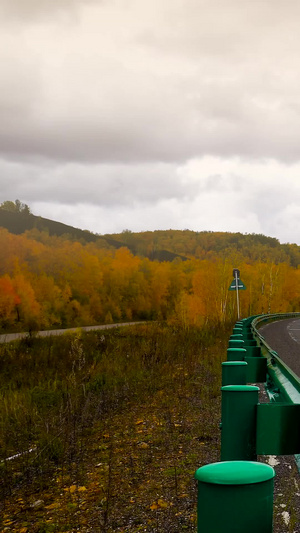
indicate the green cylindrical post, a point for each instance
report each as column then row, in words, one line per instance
column 237, row 329
column 234, row 373
column 238, row 435
column 236, row 354
column 236, row 343
column 235, row 497
column 237, row 336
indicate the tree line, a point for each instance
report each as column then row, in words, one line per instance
column 48, row 282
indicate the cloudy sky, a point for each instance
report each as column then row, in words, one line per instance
column 143, row 115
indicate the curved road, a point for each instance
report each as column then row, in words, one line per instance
column 283, row 336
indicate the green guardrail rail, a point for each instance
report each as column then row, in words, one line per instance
column 278, row 428
column 282, row 384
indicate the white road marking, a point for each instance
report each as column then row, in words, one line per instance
column 291, row 328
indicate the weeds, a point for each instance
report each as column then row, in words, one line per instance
column 140, row 402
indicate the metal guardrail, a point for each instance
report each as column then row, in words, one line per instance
column 281, row 417
column 250, row 428
column 282, row 383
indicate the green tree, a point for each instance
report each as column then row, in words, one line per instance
column 15, row 207
column 9, row 206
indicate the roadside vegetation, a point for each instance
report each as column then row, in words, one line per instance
column 109, row 428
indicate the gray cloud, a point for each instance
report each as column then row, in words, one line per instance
column 131, row 81
column 180, row 113
column 101, row 185
column 204, row 194
column 32, row 11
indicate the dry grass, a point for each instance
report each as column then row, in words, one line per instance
column 119, row 437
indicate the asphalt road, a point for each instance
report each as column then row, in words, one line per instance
column 8, row 337
column 283, row 336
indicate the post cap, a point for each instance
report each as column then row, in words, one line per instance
column 240, row 388
column 235, row 473
column 234, row 363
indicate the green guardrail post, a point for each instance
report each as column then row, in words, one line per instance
column 235, row 497
column 234, row 373
column 253, row 351
column 237, row 329
column 236, row 343
column 250, row 342
column 278, row 429
column 256, row 369
column 236, row 354
column 248, row 336
column 238, row 426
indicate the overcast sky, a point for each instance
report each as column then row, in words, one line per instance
column 153, row 114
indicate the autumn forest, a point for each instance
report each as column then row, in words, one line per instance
column 49, row 281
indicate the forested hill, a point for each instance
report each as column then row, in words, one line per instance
column 19, row 222
column 209, row 245
column 53, row 275
column 168, row 245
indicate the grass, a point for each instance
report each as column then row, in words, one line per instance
column 118, row 421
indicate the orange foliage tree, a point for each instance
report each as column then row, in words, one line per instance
column 53, row 281
column 9, row 300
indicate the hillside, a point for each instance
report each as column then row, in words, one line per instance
column 209, row 245
column 19, row 222
column 162, row 245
